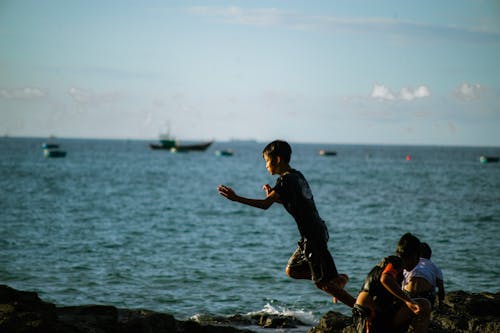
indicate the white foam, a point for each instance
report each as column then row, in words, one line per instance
column 306, row 317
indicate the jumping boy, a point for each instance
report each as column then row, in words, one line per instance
column 312, row 259
column 382, row 306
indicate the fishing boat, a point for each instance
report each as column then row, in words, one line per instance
column 47, row 145
column 176, row 147
column 54, row 153
column 51, row 149
column 489, row 159
column 224, row 152
column 168, row 142
column 323, row 152
column 191, row 147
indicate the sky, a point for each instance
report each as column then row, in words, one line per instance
column 354, row 72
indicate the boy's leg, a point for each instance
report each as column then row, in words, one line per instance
column 327, row 278
column 335, row 287
column 298, row 266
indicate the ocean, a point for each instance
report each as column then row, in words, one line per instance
column 117, row 223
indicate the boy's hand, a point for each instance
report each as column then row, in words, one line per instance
column 414, row 307
column 227, row 192
column 267, row 188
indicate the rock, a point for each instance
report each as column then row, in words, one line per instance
column 145, row 321
column 262, row 319
column 468, row 312
column 89, row 317
column 267, row 320
column 22, row 311
column 332, row 322
column 462, row 312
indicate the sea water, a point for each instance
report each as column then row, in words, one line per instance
column 117, row 223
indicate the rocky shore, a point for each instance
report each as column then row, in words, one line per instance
column 24, row 311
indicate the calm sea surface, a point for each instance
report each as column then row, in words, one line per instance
column 117, row 223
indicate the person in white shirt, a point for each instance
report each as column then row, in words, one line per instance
column 425, row 278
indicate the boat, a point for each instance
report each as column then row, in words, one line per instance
column 51, row 149
column 168, row 142
column 175, row 147
column 224, row 152
column 54, row 153
column 46, row 145
column 489, row 159
column 323, row 152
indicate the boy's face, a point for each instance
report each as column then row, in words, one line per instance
column 271, row 165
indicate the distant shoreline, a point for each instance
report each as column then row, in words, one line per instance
column 255, row 141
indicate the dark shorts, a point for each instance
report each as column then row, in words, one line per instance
column 360, row 318
column 313, row 261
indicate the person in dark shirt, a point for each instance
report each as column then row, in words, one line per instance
column 382, row 306
column 312, row 259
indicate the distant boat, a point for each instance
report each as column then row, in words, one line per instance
column 323, row 152
column 46, row 145
column 52, row 150
column 168, row 142
column 167, row 145
column 224, row 152
column 489, row 159
column 54, row 153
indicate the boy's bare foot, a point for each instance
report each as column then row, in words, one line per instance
column 341, row 280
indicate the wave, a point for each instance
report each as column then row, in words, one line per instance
column 306, row 317
column 270, row 316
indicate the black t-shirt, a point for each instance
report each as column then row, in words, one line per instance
column 383, row 299
column 297, row 198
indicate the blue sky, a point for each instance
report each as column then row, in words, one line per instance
column 375, row 72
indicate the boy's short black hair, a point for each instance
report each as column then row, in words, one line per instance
column 425, row 251
column 408, row 246
column 278, row 148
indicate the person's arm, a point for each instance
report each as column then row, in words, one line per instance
column 229, row 193
column 268, row 190
column 390, row 283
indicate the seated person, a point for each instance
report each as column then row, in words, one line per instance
column 381, row 305
column 423, row 280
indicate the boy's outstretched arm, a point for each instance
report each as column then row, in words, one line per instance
column 229, row 193
column 389, row 282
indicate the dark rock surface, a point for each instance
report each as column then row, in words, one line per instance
column 24, row 311
column 461, row 313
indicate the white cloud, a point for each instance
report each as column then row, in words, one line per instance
column 27, row 93
column 469, row 92
column 83, row 96
column 268, row 17
column 381, row 92
column 259, row 17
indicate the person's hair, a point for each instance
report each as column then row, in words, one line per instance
column 278, row 148
column 408, row 246
column 425, row 251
